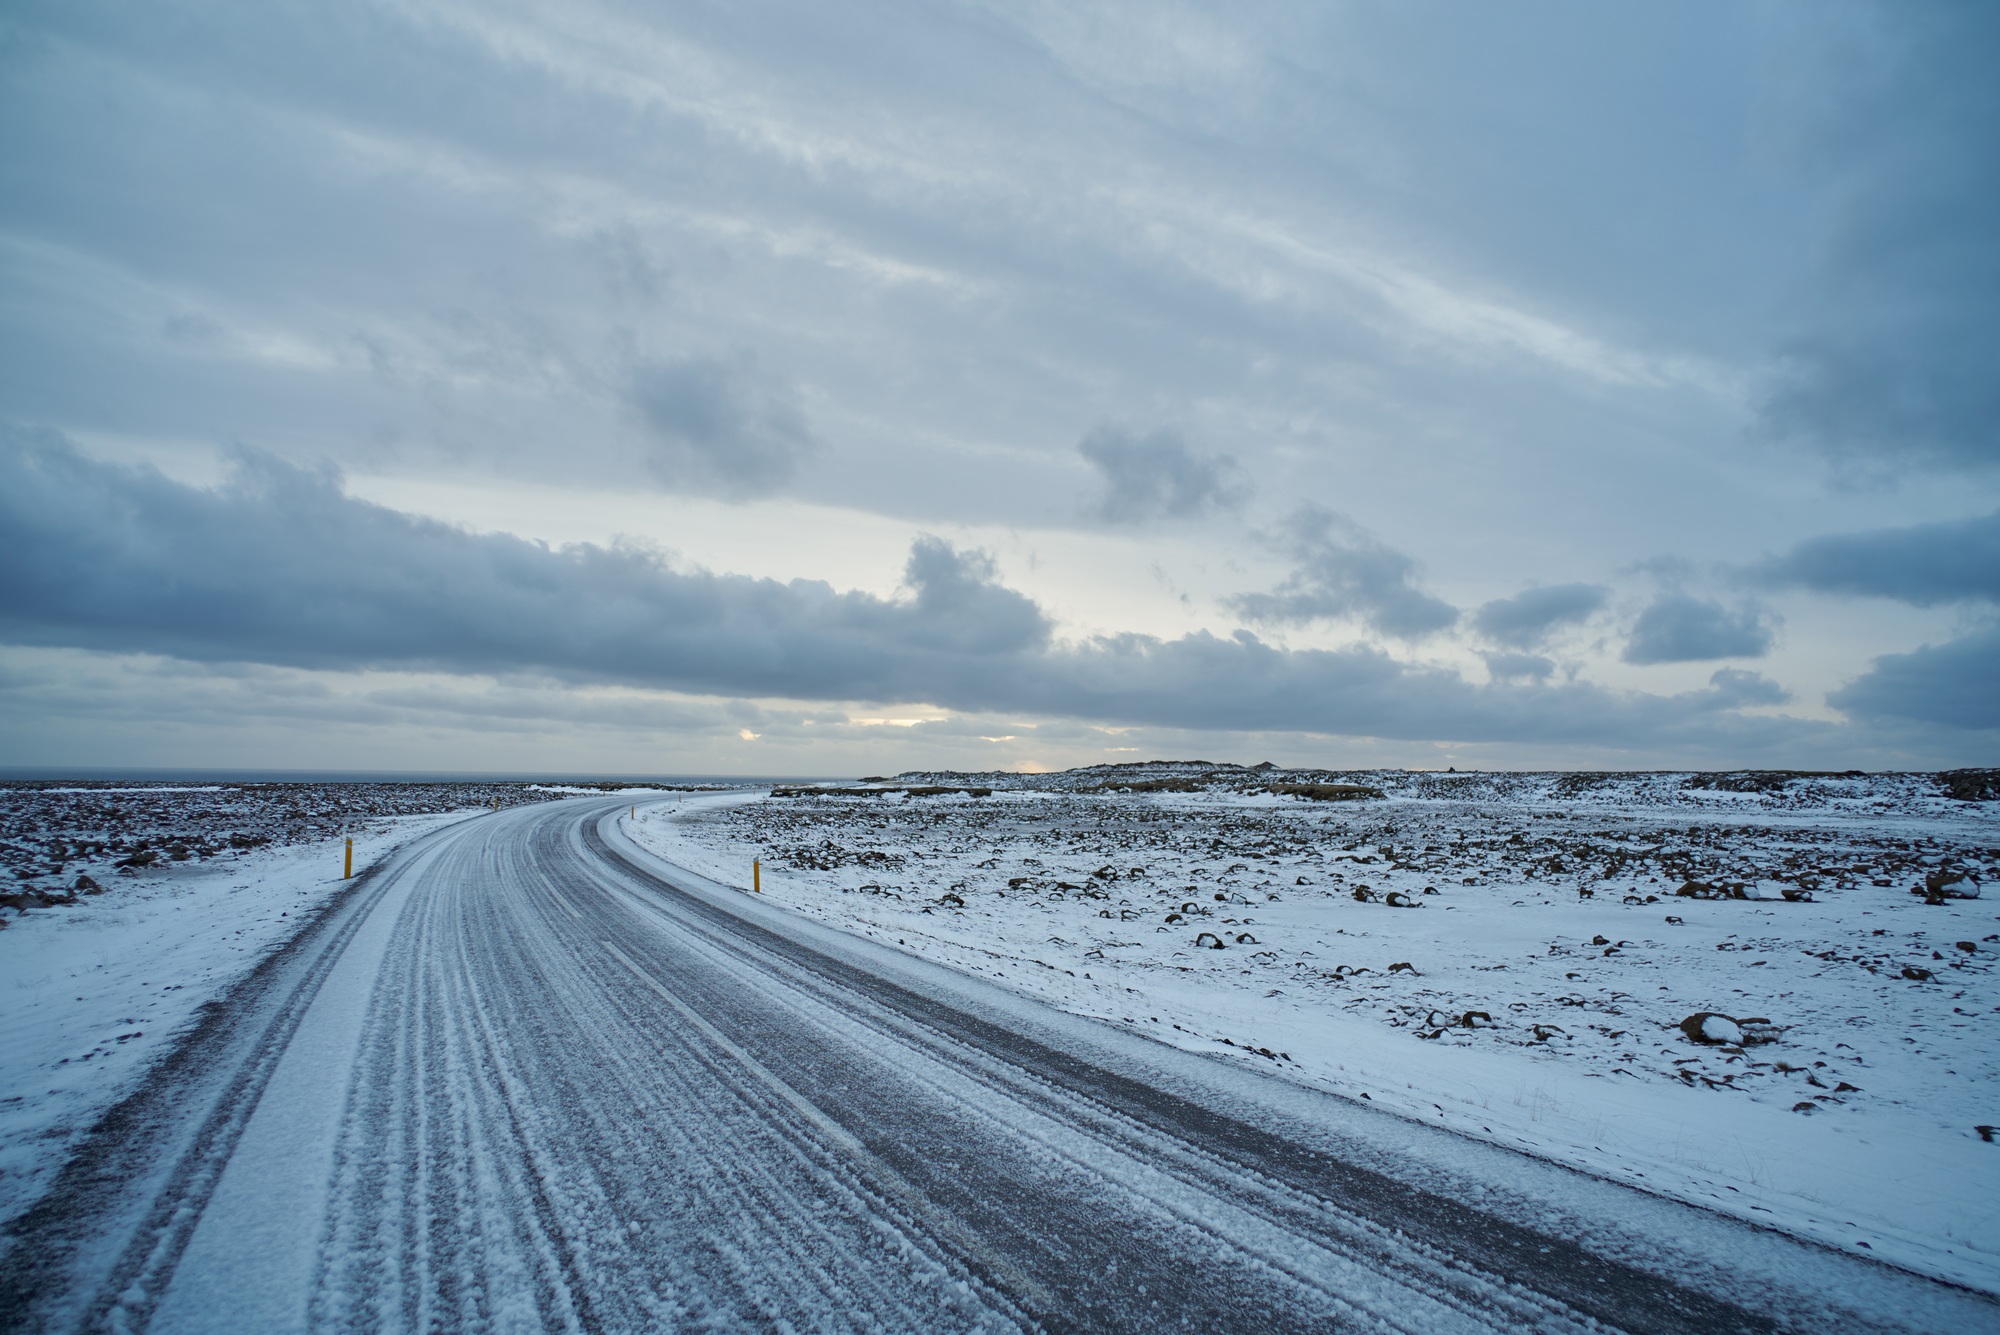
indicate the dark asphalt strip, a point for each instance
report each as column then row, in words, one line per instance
column 1610, row 1291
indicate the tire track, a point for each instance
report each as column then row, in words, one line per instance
column 95, row 1251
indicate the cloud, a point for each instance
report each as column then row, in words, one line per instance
column 1742, row 688
column 1950, row 684
column 961, row 606
column 1156, row 476
column 1513, row 667
column 720, row 426
column 1343, row 571
column 1924, row 564
column 1525, row 620
column 1893, row 359
column 279, row 567
column 1679, row 628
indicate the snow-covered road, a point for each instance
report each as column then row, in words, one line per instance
column 526, row 1076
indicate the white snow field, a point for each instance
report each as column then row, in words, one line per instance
column 1510, row 957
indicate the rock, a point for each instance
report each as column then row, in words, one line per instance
column 1712, row 1029
column 1475, row 1020
column 1916, row 975
column 1363, row 895
column 1971, row 785
column 1703, row 890
column 1245, row 939
column 1325, row 792
column 1210, row 940
column 1404, row 967
column 88, row 886
column 1398, row 900
column 1758, row 1029
column 1947, row 883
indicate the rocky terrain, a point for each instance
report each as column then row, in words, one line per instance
column 61, row 842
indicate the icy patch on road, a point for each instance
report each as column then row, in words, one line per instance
column 1533, row 991
column 95, row 991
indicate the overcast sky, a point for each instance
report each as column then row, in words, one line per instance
column 789, row 388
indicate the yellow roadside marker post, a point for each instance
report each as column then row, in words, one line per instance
column 347, row 872
column 757, row 875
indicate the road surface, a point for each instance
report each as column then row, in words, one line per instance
column 524, row 1076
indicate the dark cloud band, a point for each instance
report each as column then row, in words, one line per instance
column 279, row 566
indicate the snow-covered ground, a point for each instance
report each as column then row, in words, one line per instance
column 1508, row 956
column 94, row 991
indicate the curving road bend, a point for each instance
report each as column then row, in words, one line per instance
column 524, row 1076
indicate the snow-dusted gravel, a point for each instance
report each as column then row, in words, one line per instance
column 53, row 832
column 1510, row 957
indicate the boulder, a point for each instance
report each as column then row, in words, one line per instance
column 1712, row 1029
